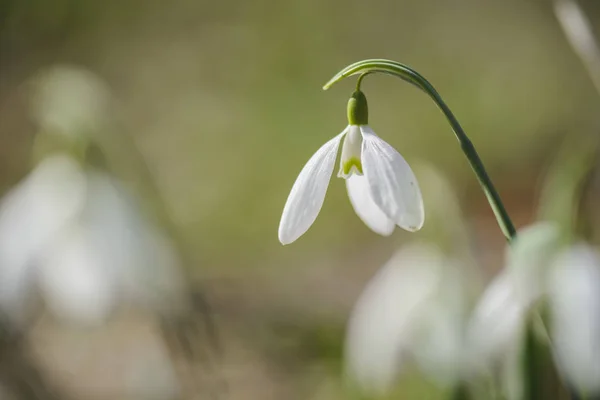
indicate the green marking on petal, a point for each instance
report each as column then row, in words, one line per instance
column 352, row 162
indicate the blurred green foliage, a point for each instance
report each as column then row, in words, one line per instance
column 224, row 100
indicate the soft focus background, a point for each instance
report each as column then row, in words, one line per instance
column 223, row 101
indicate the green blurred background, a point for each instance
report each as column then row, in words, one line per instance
column 224, row 101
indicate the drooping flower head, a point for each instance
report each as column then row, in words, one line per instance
column 382, row 188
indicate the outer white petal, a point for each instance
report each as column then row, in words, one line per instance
column 74, row 282
column 365, row 207
column 308, row 193
column 386, row 316
column 439, row 345
column 31, row 215
column 574, row 299
column 528, row 258
column 130, row 247
column 393, row 184
column 497, row 321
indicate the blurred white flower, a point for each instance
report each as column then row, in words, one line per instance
column 417, row 307
column 32, row 215
column 574, row 300
column 500, row 315
column 78, row 236
column 537, row 269
column 406, row 310
column 381, row 185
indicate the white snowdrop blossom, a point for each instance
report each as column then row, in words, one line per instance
column 77, row 236
column 568, row 280
column 32, row 214
column 500, row 315
column 383, row 189
column 410, row 309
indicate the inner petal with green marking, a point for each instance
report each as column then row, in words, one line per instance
column 351, row 153
column 353, row 165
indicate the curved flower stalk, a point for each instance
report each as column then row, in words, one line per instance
column 381, row 185
column 406, row 73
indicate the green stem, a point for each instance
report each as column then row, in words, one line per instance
column 408, row 74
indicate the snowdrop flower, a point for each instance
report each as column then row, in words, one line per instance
column 383, row 324
column 412, row 309
column 382, row 187
column 71, row 230
column 501, row 313
column 77, row 236
column 569, row 280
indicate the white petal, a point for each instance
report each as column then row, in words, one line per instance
column 351, row 152
column 384, row 321
column 528, row 258
column 439, row 347
column 308, row 193
column 574, row 299
column 31, row 215
column 394, row 187
column 497, row 321
column 365, row 207
column 130, row 247
column 74, row 281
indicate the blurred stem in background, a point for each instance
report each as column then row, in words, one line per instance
column 579, row 156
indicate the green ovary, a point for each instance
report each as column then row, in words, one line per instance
column 352, row 162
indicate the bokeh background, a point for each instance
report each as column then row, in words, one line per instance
column 223, row 101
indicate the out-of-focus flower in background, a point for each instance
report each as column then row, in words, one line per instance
column 71, row 228
column 383, row 326
column 76, row 235
column 540, row 273
column 413, row 309
column 500, row 315
column 419, row 307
